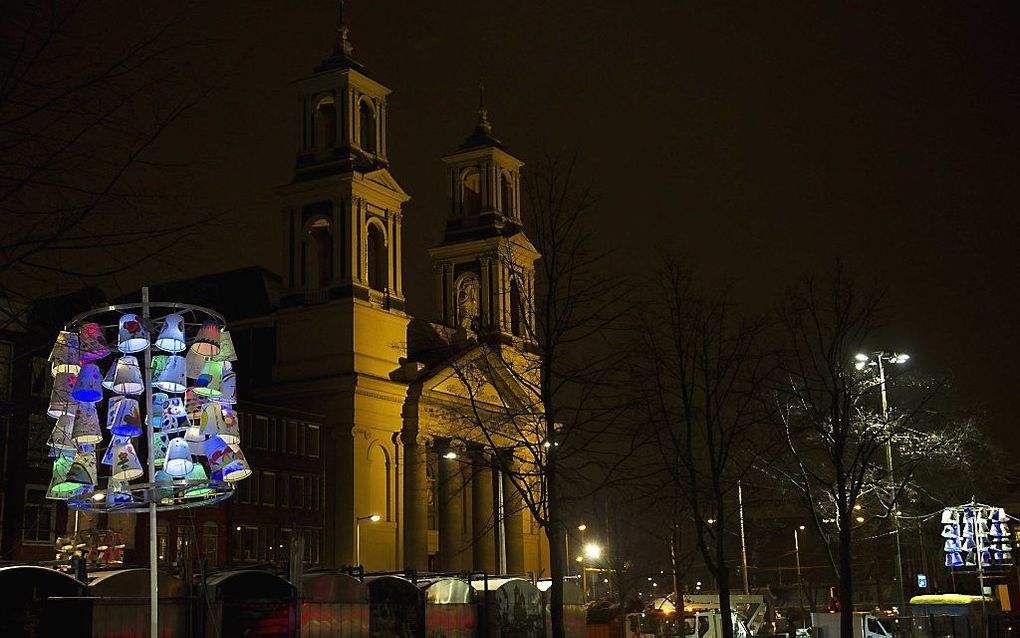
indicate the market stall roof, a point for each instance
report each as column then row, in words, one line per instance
column 19, row 579
column 447, row 591
column 333, row 587
column 134, row 583
column 249, row 584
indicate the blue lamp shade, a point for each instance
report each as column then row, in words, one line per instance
column 127, row 377
column 123, row 416
column 125, row 462
column 65, row 356
column 226, row 459
column 171, row 337
column 172, row 379
column 63, row 430
column 86, row 425
column 209, row 381
column 207, row 343
column 132, row 335
column 178, row 463
column 60, row 397
column 88, row 385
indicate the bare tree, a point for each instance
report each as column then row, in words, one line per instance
column 701, row 381
column 557, row 396
column 835, row 439
column 83, row 102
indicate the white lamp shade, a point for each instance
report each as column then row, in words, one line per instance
column 209, row 381
column 228, row 386
column 227, row 460
column 233, row 429
column 207, row 343
column 65, row 356
column 123, row 416
column 159, row 400
column 86, row 425
column 172, row 379
column 60, row 397
column 127, row 378
column 213, row 424
column 178, row 463
column 132, row 335
column 92, row 342
column 125, row 462
column 60, row 438
column 88, row 385
column 171, row 337
column 227, row 352
column 196, row 440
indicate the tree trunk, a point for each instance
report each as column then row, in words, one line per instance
column 846, row 594
column 554, row 534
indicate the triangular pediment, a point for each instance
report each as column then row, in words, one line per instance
column 381, row 178
column 477, row 374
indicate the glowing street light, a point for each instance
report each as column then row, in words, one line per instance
column 593, row 551
column 375, row 518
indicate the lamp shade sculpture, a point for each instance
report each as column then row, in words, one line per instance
column 146, row 392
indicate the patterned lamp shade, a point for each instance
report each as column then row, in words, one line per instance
column 60, row 438
column 65, row 356
column 60, row 488
column 227, row 352
column 83, row 469
column 172, row 378
column 228, row 386
column 114, row 442
column 92, row 342
column 86, row 425
column 88, row 385
column 60, row 397
column 158, row 363
column 209, row 381
column 127, row 378
column 123, row 416
column 213, row 424
column 132, row 335
column 175, row 417
column 160, row 443
column 125, row 462
column 178, row 463
column 159, row 400
column 227, row 460
column 207, row 343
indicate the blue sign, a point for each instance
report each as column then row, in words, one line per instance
column 922, row 581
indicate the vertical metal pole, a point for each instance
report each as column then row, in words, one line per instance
column 584, row 569
column 501, row 513
column 981, row 570
column 357, row 540
column 743, row 539
column 566, row 549
column 800, row 580
column 892, row 487
column 153, row 550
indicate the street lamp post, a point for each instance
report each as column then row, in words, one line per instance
column 879, row 361
column 580, row 559
column 800, row 579
column 375, row 518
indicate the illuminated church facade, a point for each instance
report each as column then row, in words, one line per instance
column 347, row 350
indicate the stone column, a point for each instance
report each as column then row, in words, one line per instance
column 483, row 515
column 513, row 516
column 451, row 515
column 416, row 503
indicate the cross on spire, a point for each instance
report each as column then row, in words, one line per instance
column 343, row 42
column 484, row 125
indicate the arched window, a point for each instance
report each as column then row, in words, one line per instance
column 506, row 195
column 319, row 253
column 377, row 262
column 516, row 310
column 379, row 483
column 471, row 193
column 366, row 124
column 325, row 123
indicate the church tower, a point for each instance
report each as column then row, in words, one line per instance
column 484, row 269
column 342, row 330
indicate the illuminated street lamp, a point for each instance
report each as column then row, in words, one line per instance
column 593, row 551
column 876, row 362
column 375, row 518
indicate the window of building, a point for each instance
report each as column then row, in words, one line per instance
column 292, row 437
column 284, row 490
column 211, row 543
column 297, row 491
column 319, row 253
column 185, row 543
column 268, row 488
column 39, row 429
column 275, row 441
column 325, row 123
column 243, row 491
column 471, row 193
column 253, row 484
column 313, row 543
column 506, row 195
column 261, row 432
column 316, row 492
column 6, row 369
column 163, row 543
column 312, row 441
column 40, row 517
column 366, row 126
column 377, row 262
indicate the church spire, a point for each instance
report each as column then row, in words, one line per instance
column 343, row 51
column 482, row 135
column 343, row 41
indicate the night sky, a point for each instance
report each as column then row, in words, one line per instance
column 763, row 140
